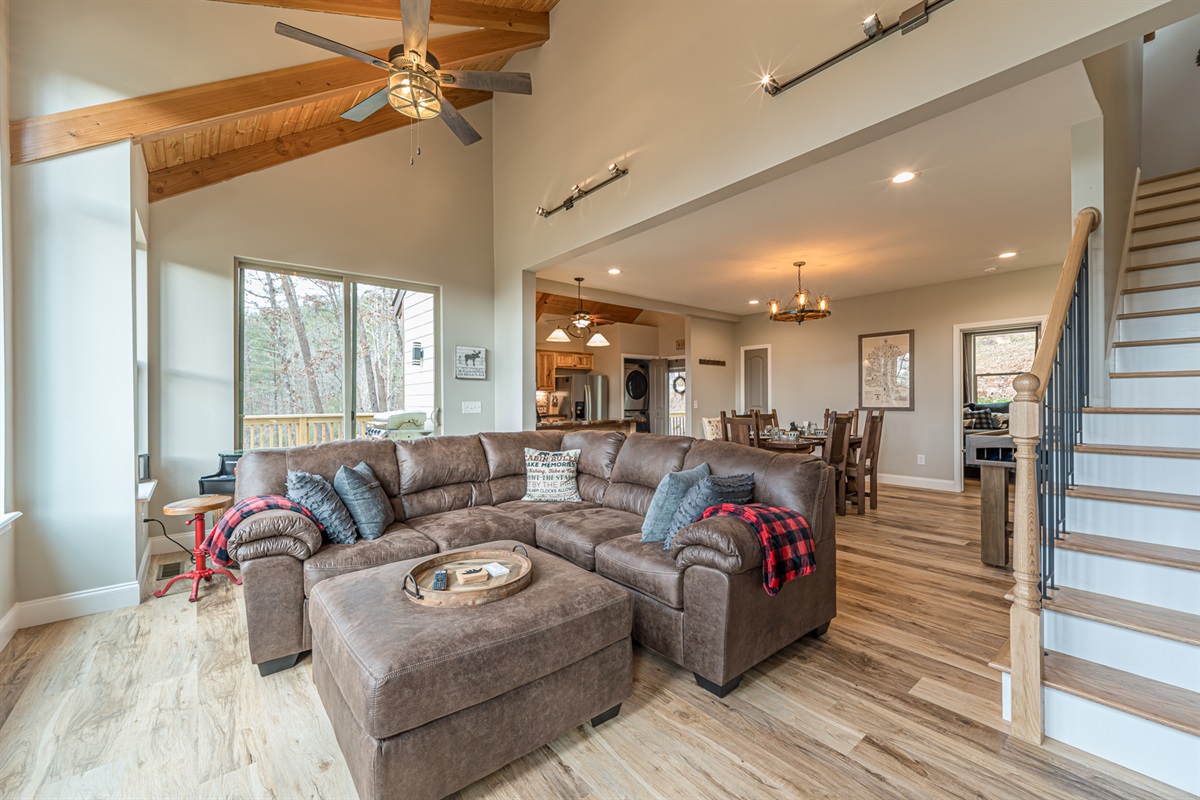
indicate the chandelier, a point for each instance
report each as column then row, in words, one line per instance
column 797, row 308
column 580, row 324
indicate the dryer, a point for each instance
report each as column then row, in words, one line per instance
column 636, row 388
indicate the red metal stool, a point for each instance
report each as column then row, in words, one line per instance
column 196, row 508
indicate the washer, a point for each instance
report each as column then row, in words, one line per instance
column 637, row 389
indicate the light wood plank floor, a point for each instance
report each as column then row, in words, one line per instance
column 897, row 701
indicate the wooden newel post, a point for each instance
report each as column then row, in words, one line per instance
column 1025, row 622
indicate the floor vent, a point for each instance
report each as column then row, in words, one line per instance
column 166, row 571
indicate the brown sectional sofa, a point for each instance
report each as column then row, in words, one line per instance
column 701, row 604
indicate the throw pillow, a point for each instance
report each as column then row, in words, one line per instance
column 365, row 499
column 710, row 491
column 668, row 497
column 712, row 428
column 550, row 476
column 980, row 419
column 314, row 493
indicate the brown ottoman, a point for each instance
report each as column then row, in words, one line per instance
column 425, row 701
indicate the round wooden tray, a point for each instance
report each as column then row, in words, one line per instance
column 418, row 583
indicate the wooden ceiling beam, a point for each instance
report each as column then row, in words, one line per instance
column 444, row 12
column 179, row 110
column 173, row 181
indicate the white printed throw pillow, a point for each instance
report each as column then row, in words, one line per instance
column 551, row 476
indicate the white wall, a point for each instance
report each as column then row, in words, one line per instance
column 1171, row 86
column 359, row 209
column 8, row 554
column 693, row 130
column 711, row 388
column 814, row 366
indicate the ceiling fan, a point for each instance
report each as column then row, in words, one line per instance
column 580, row 323
column 415, row 78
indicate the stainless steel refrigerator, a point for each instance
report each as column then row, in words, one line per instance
column 587, row 396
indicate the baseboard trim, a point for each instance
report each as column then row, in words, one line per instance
column 161, row 545
column 78, row 604
column 8, row 625
column 936, row 484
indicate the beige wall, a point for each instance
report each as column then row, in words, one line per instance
column 8, row 555
column 814, row 366
column 711, row 388
column 1171, row 86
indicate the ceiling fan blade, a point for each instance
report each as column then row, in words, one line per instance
column 360, row 111
column 414, row 16
column 457, row 123
column 328, row 44
column 514, row 82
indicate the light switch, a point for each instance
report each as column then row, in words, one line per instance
column 695, row 404
column 472, row 407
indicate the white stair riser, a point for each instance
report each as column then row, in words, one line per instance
column 1163, row 753
column 1145, row 430
column 1150, row 656
column 1158, row 357
column 1156, row 392
column 1181, row 273
column 1151, row 203
column 1156, row 255
column 1132, row 580
column 1162, row 300
column 1184, row 230
column 1173, row 326
column 1174, row 527
column 1167, row 214
column 1153, row 474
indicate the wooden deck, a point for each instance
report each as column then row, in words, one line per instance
column 896, row 701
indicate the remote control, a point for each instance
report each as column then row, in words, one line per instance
column 439, row 580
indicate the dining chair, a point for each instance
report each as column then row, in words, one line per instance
column 863, row 464
column 739, row 430
column 835, row 452
column 853, row 422
column 771, row 418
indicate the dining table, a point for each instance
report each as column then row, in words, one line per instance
column 805, row 443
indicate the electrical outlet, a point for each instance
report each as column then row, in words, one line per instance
column 472, row 407
column 920, row 459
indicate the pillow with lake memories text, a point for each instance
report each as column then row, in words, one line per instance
column 551, row 476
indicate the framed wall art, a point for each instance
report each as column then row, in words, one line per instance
column 885, row 370
column 470, row 363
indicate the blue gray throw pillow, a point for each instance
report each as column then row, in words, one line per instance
column 314, row 493
column 710, row 491
column 666, row 501
column 365, row 499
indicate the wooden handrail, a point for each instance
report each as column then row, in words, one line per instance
column 1086, row 221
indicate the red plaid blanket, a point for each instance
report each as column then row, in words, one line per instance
column 218, row 537
column 787, row 543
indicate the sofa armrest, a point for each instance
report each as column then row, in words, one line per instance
column 275, row 532
column 727, row 544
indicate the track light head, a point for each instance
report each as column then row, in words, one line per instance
column 872, row 26
column 769, row 84
column 541, row 212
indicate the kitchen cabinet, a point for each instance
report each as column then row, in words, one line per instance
column 564, row 360
column 545, row 371
column 583, row 361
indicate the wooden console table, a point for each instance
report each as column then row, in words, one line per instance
column 992, row 452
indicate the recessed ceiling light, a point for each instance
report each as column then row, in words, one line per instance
column 903, row 177
column 614, row 271
column 1007, row 255
column 753, row 302
column 991, row 268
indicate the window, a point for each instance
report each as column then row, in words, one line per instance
column 995, row 358
column 320, row 354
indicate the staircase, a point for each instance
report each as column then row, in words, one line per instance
column 1121, row 624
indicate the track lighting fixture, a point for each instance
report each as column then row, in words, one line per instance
column 915, row 17
column 581, row 190
column 872, row 26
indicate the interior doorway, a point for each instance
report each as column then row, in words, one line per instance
column 755, row 378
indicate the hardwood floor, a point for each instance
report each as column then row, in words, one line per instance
column 896, row 701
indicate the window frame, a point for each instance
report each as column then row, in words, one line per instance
column 350, row 282
column 969, row 347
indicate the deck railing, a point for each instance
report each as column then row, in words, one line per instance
column 1046, row 422
column 292, row 430
column 677, row 424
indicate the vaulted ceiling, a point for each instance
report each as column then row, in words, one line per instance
column 196, row 136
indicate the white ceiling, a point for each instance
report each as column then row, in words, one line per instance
column 994, row 176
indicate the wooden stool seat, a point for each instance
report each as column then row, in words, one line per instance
column 196, row 508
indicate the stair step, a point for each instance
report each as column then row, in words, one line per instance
column 1156, row 225
column 1134, row 450
column 1179, row 262
column 1168, row 312
column 1168, row 206
column 1165, row 243
column 1168, row 176
column 1158, row 342
column 1169, row 190
column 1174, row 198
column 1165, row 287
column 1142, row 617
column 1145, row 552
column 1178, row 373
column 1140, row 497
column 1118, row 410
column 1142, row 697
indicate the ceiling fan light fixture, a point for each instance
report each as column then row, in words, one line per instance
column 598, row 340
column 558, row 335
column 414, row 92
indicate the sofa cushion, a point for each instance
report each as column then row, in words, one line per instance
column 643, row 566
column 535, row 509
column 261, row 472
column 597, row 454
column 505, row 454
column 465, row 527
column 365, row 499
column 641, row 464
column 397, row 543
column 727, row 458
column 326, row 459
column 668, row 497
column 574, row 535
column 442, row 473
column 319, row 497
